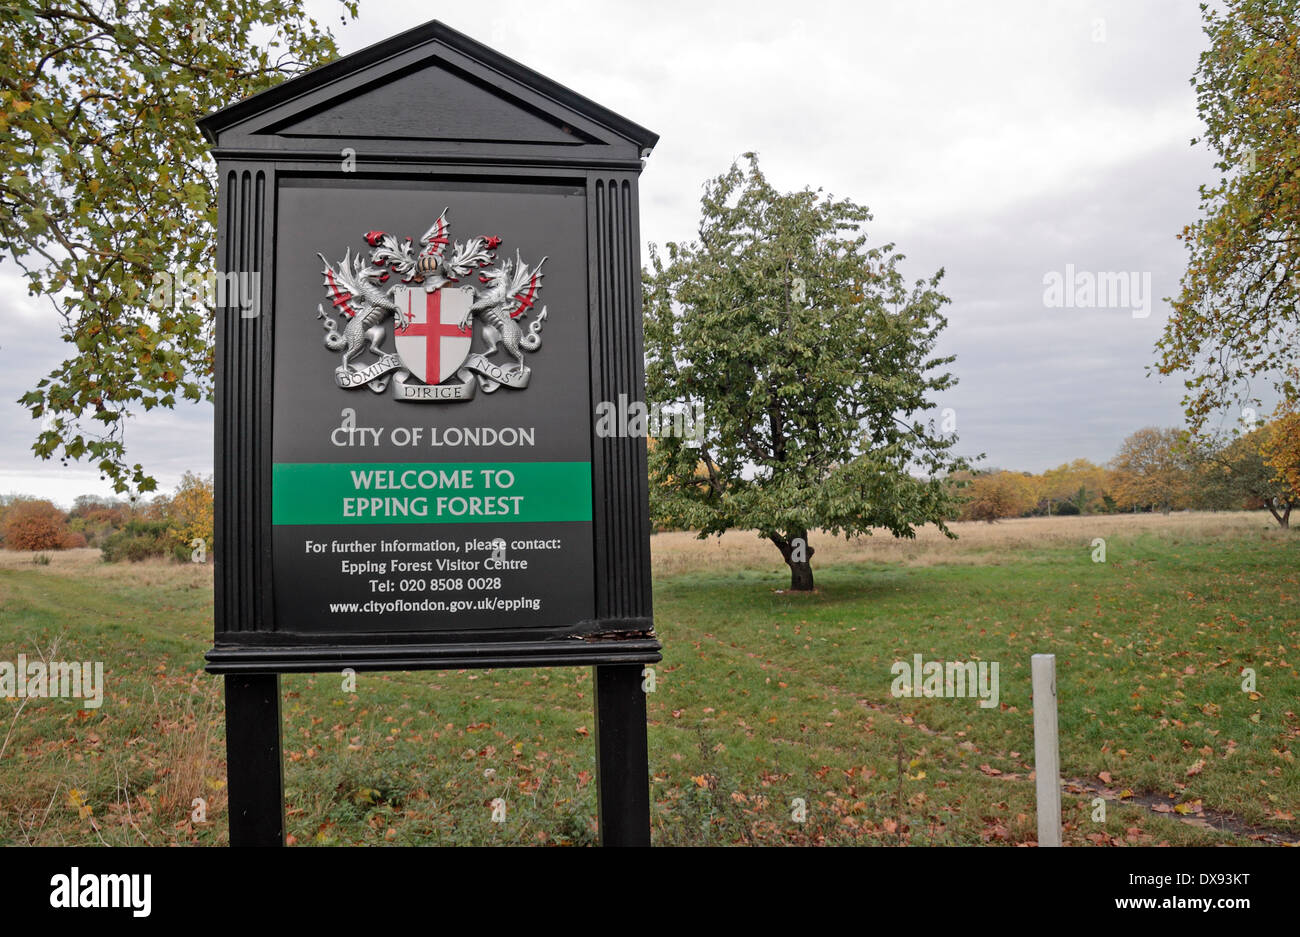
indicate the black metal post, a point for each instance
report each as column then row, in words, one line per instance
column 254, row 769
column 622, row 756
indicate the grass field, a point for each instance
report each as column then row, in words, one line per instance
column 764, row 699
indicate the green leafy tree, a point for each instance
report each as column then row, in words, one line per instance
column 1236, row 315
column 810, row 360
column 108, row 186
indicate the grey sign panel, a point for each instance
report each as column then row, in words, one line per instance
column 415, row 568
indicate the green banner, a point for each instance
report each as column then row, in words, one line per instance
column 429, row 493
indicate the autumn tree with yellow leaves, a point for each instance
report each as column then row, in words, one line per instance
column 190, row 513
column 1280, row 449
column 996, row 495
column 1154, row 470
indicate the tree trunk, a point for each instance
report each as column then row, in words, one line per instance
column 1283, row 519
column 801, row 577
column 798, row 554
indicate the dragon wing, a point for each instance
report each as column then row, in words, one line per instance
column 525, row 285
column 341, row 284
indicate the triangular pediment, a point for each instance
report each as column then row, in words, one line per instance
column 433, row 87
column 432, row 102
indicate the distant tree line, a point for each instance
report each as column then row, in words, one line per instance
column 1155, row 470
column 177, row 525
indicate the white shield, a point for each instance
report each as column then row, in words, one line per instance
column 433, row 346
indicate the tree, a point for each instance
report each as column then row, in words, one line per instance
column 1080, row 483
column 108, row 187
column 190, row 513
column 1280, row 450
column 1153, row 470
column 995, row 495
column 7, row 502
column 36, row 525
column 810, row 360
column 1232, row 473
column 1236, row 315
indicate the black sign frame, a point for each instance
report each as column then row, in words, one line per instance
column 252, row 160
column 496, row 122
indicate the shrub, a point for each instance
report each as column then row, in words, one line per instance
column 138, row 540
column 96, row 523
column 35, row 525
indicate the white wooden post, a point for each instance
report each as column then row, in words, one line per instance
column 1047, row 755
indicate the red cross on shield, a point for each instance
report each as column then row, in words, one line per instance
column 433, row 345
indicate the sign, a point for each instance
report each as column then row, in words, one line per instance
column 437, row 260
column 408, row 473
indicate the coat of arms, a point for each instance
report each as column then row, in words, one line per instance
column 420, row 287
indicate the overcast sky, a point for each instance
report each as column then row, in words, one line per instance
column 1000, row 140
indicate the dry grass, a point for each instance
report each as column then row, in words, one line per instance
column 85, row 564
column 190, row 757
column 978, row 543
column 65, row 560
